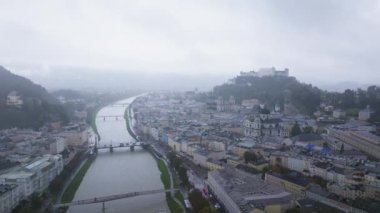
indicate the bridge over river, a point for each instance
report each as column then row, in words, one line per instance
column 111, row 147
column 121, row 171
column 104, row 199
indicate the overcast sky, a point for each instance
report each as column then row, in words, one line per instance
column 317, row 40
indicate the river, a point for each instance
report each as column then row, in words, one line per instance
column 121, row 171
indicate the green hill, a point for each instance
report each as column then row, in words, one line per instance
column 273, row 90
column 306, row 98
column 37, row 108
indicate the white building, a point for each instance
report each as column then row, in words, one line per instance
column 365, row 114
column 8, row 197
column 264, row 125
column 57, row 145
column 226, row 105
column 14, row 99
column 266, row 72
column 338, row 113
column 35, row 176
column 250, row 103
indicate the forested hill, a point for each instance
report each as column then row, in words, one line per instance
column 37, row 107
column 273, row 90
column 306, row 98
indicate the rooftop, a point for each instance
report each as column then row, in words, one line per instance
column 292, row 177
column 249, row 191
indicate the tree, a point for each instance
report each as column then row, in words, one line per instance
column 296, row 130
column 198, row 202
column 308, row 129
column 249, row 157
column 36, row 201
column 293, row 210
column 182, row 172
column 319, row 180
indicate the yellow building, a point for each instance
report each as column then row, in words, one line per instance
column 232, row 161
column 213, row 165
column 175, row 145
column 270, row 209
column 238, row 150
column 292, row 182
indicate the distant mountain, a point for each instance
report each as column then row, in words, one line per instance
column 26, row 104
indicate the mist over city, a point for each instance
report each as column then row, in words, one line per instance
column 189, row 106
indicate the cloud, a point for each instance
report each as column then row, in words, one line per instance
column 313, row 38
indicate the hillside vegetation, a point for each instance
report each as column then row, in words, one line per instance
column 38, row 105
column 305, row 97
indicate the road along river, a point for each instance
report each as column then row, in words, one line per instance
column 121, row 171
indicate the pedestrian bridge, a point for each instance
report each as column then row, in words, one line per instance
column 104, row 199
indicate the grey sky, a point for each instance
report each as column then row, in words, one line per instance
column 317, row 40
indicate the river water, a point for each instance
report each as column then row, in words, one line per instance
column 121, row 171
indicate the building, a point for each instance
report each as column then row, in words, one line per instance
column 250, row 103
column 9, row 197
column 292, row 182
column 362, row 140
column 203, row 157
column 241, row 192
column 263, row 125
column 364, row 114
column 317, row 193
column 213, row 165
column 174, row 144
column 279, row 159
column 338, row 113
column 35, row 176
column 57, row 145
column 266, row 72
column 14, row 99
column 309, row 138
column 226, row 105
column 74, row 137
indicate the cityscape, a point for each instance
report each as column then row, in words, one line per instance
column 99, row 129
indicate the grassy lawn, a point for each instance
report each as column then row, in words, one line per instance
column 68, row 195
column 173, row 206
column 179, row 196
column 165, row 177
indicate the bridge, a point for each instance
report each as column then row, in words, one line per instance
column 111, row 116
column 131, row 145
column 119, row 105
column 111, row 198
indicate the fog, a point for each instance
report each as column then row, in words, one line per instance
column 189, row 44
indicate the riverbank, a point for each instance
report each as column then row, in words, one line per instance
column 93, row 120
column 173, row 200
column 174, row 204
column 128, row 121
column 69, row 193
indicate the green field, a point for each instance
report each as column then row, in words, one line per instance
column 69, row 193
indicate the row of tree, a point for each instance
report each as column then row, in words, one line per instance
column 177, row 164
